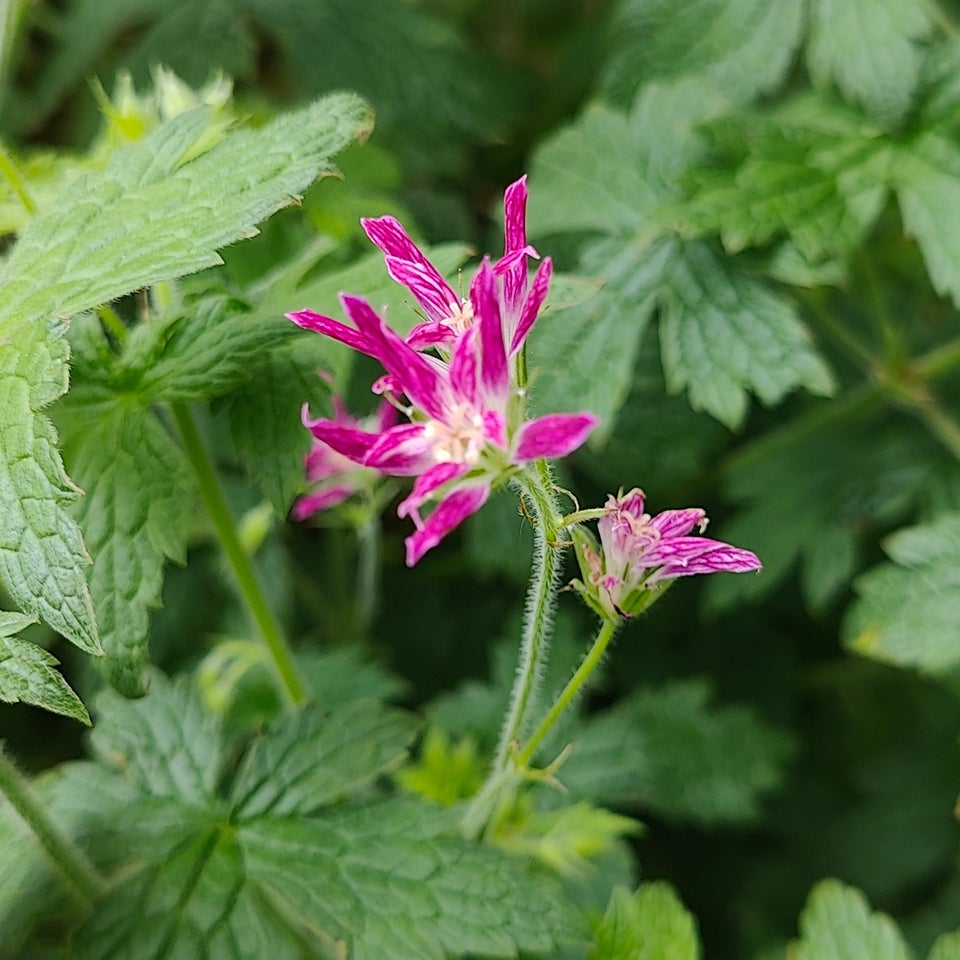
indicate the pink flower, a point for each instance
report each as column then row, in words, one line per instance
column 467, row 429
column 638, row 553
column 448, row 314
column 334, row 477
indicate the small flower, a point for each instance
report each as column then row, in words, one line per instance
column 466, row 429
column 638, row 553
column 334, row 477
column 448, row 314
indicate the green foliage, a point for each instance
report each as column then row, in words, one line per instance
column 27, row 673
column 906, row 610
column 651, row 924
column 837, row 922
column 266, row 857
column 666, row 751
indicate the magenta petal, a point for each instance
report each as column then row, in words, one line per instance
column 722, row 559
column 554, row 435
column 433, row 293
column 426, row 483
column 311, row 503
column 403, row 450
column 450, row 512
column 353, row 444
column 420, row 380
column 494, row 375
column 678, row 523
column 331, row 328
column 678, row 550
column 430, row 334
column 388, row 234
column 465, row 368
column 515, row 215
column 533, row 303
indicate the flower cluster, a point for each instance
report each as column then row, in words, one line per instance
column 466, row 428
column 638, row 553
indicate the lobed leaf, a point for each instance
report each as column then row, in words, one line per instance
column 651, row 924
column 906, row 611
column 668, row 751
column 723, row 332
column 137, row 512
column 837, row 922
column 28, row 674
column 871, row 50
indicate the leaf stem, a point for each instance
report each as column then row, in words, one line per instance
column 536, row 487
column 84, row 880
column 566, row 696
column 237, row 557
column 111, row 320
column 9, row 170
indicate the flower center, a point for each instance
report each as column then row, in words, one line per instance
column 461, row 316
column 461, row 439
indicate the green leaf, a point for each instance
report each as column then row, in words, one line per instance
column 42, row 556
column 28, row 675
column 741, row 47
column 927, row 175
column 11, row 623
column 166, row 744
column 97, row 244
column 137, row 512
column 871, row 50
column 906, row 611
column 946, row 947
column 651, row 924
column 311, row 759
column 837, row 922
column 583, row 357
column 668, row 751
column 723, row 332
column 394, row 881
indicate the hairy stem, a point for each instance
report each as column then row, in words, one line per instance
column 84, row 880
column 537, row 488
column 573, row 687
column 237, row 557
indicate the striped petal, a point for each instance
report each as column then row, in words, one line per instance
column 532, row 304
column 427, row 483
column 450, row 513
column 721, row 559
column 554, row 435
column 494, row 373
column 403, row 450
column 431, row 291
column 678, row 523
column 333, row 329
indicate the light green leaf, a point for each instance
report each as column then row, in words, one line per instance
column 394, row 881
column 907, row 611
column 166, row 744
column 870, row 49
column 723, row 333
column 946, row 947
column 97, row 244
column 667, row 750
column 11, row 623
column 927, row 174
column 137, row 512
column 28, row 674
column 583, row 358
column 311, row 758
column 741, row 47
column 837, row 922
column 651, row 924
column 42, row 557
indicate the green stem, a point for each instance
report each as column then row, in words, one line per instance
column 83, row 878
column 537, row 487
column 9, row 171
column 850, row 344
column 368, row 572
column 237, row 557
column 940, row 360
column 580, row 677
column 111, row 320
column 886, row 327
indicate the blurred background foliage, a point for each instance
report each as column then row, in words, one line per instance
column 756, row 208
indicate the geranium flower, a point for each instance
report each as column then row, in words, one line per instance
column 448, row 314
column 334, row 477
column 638, row 553
column 467, row 430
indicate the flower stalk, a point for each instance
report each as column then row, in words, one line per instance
column 237, row 557
column 82, row 877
